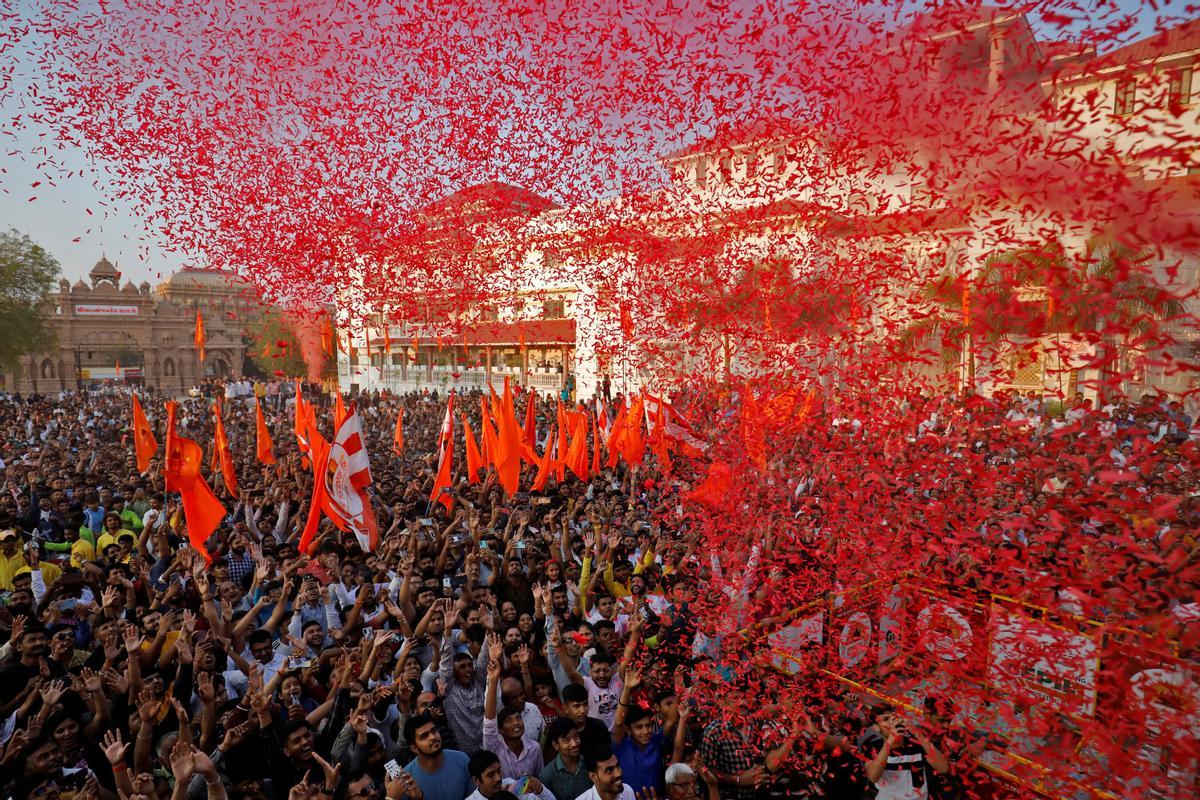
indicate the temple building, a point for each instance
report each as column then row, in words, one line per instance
column 106, row 331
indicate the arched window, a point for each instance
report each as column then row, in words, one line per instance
column 169, row 368
column 47, row 369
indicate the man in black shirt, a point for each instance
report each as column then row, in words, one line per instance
column 14, row 679
column 593, row 734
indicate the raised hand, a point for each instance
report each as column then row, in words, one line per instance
column 183, row 762
column 114, row 749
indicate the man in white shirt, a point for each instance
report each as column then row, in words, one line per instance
column 484, row 767
column 605, row 773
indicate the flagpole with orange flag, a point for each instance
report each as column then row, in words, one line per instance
column 508, row 444
column 474, row 458
column 144, row 443
column 398, row 436
column 224, row 454
column 202, row 511
column 547, row 462
column 263, row 443
column 198, row 338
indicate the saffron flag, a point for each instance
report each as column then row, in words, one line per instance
column 327, row 336
column 474, row 458
column 224, row 454
column 263, row 436
column 339, row 410
column 547, row 461
column 560, row 457
column 444, row 479
column 488, row 437
column 198, row 337
column 144, row 443
column 398, row 436
column 202, row 511
column 595, row 446
column 508, row 443
column 577, row 455
column 531, row 419
column 714, row 490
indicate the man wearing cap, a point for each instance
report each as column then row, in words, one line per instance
column 11, row 557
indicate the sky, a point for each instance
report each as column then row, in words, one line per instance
column 80, row 218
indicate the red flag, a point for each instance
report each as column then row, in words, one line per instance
column 198, row 337
column 474, row 458
column 508, row 443
column 144, row 443
column 202, row 511
column 264, row 444
column 398, row 436
column 547, row 461
column 224, row 454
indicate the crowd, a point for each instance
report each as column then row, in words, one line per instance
column 544, row 646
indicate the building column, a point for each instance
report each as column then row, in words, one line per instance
column 995, row 59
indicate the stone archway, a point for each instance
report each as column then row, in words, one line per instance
column 168, row 367
column 48, row 371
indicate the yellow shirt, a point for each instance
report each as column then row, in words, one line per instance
column 107, row 538
column 81, row 551
column 10, row 565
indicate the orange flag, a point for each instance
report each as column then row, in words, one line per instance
column 577, row 456
column 615, row 432
column 144, row 443
column 398, row 436
column 474, row 458
column 543, row 473
column 327, row 336
column 300, row 426
column 488, row 437
column 444, row 478
column 531, row 419
column 320, row 463
column 560, row 457
column 198, row 338
column 508, row 443
column 595, row 447
column 224, row 454
column 631, row 444
column 264, row 445
column 714, row 491
column 753, row 432
column 202, row 511
column 339, row 410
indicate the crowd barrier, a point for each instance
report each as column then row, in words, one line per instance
column 1071, row 708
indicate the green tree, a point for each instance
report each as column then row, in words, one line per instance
column 272, row 346
column 27, row 276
